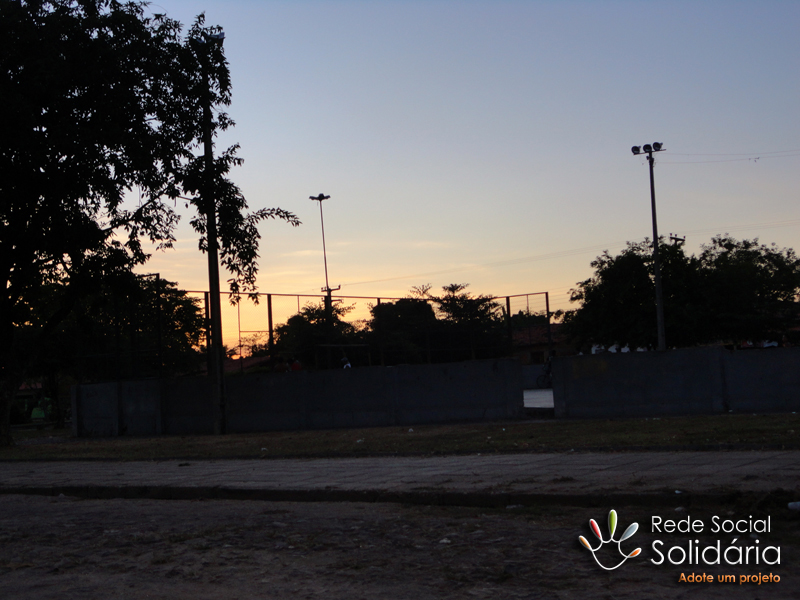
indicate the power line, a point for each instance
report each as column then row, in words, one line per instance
column 749, row 156
column 502, row 263
column 573, row 252
column 569, row 252
column 771, row 225
column 732, row 153
column 699, row 162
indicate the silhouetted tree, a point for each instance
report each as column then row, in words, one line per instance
column 418, row 329
column 617, row 305
column 735, row 290
column 129, row 327
column 526, row 318
column 471, row 326
column 100, row 100
column 403, row 331
column 310, row 338
column 750, row 289
column 458, row 306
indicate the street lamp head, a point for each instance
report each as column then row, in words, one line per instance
column 319, row 198
column 636, row 150
column 647, row 148
column 657, row 146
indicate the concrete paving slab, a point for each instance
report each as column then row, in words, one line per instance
column 524, row 475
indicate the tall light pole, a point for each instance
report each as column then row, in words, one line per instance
column 327, row 289
column 648, row 149
column 216, row 372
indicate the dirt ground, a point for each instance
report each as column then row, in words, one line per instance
column 67, row 548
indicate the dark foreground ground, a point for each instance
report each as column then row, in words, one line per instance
column 65, row 548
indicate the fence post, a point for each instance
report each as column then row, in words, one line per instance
column 380, row 341
column 206, row 309
column 508, row 323
column 159, row 340
column 549, row 330
column 271, row 342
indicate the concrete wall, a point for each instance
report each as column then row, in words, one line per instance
column 765, row 380
column 530, row 373
column 475, row 390
column 677, row 382
column 99, row 410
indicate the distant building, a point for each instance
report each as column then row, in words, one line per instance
column 532, row 345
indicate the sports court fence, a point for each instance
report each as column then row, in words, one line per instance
column 248, row 324
column 145, row 340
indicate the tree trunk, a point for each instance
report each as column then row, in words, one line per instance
column 6, row 396
column 9, row 383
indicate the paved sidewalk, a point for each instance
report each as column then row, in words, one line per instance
column 511, row 477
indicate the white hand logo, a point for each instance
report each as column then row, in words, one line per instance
column 612, row 526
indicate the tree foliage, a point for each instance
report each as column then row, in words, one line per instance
column 471, row 326
column 734, row 290
column 527, row 318
column 130, row 327
column 309, row 337
column 751, row 289
column 403, row 330
column 103, row 101
column 420, row 328
column 458, row 306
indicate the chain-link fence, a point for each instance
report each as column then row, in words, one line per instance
column 373, row 330
column 162, row 331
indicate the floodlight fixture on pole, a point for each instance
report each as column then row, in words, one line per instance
column 649, row 149
column 209, row 203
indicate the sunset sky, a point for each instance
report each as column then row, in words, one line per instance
column 489, row 142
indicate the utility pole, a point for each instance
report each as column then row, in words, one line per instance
column 216, row 372
column 648, row 149
column 676, row 239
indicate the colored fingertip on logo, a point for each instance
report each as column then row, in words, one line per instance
column 612, row 527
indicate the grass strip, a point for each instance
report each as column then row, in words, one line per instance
column 773, row 431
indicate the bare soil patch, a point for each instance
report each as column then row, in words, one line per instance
column 65, row 548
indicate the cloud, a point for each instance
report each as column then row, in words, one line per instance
column 429, row 244
column 272, row 275
column 301, row 253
